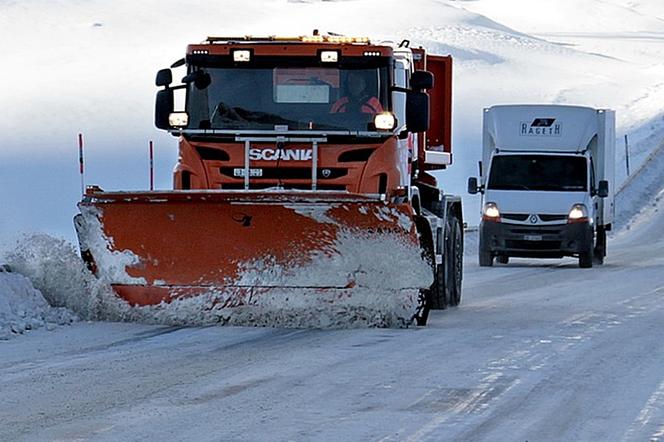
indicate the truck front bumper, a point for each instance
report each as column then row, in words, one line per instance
column 542, row 241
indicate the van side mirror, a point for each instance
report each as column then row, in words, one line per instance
column 603, row 189
column 421, row 80
column 164, row 78
column 472, row 185
column 417, row 111
column 163, row 108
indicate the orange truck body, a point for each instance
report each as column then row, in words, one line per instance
column 269, row 203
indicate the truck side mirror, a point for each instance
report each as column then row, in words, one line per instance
column 164, row 78
column 421, row 80
column 417, row 111
column 200, row 79
column 472, row 185
column 603, row 189
column 163, row 108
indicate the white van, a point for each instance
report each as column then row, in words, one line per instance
column 546, row 179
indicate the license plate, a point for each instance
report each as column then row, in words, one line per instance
column 532, row 237
column 252, row 172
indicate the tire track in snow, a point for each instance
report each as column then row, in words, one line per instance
column 652, row 408
column 502, row 375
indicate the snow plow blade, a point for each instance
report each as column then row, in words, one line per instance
column 288, row 259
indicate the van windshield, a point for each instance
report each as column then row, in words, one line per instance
column 539, row 172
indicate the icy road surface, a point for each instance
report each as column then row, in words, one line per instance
column 539, row 350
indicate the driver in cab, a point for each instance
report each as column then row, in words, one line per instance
column 358, row 98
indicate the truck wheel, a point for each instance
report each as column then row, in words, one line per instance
column 456, row 263
column 438, row 289
column 502, row 259
column 422, row 314
column 586, row 259
column 486, row 259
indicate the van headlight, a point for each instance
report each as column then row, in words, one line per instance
column 578, row 214
column 491, row 212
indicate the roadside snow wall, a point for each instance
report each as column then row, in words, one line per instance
column 22, row 307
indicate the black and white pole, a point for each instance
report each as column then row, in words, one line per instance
column 151, row 166
column 626, row 154
column 81, row 164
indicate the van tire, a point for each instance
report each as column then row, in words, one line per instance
column 486, row 259
column 586, row 259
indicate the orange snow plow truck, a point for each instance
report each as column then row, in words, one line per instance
column 303, row 192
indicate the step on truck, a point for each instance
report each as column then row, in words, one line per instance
column 546, row 179
column 303, row 183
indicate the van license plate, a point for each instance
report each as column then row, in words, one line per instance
column 532, row 237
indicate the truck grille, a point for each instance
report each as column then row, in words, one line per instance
column 547, row 217
column 287, row 186
column 515, row 216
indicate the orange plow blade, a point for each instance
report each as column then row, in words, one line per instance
column 289, row 259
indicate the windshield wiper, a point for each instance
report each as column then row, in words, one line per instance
column 510, row 187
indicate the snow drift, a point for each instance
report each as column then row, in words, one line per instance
column 22, row 307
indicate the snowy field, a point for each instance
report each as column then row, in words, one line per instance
column 538, row 350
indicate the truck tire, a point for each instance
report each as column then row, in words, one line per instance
column 439, row 288
column 455, row 268
column 586, row 259
column 438, row 291
column 486, row 259
column 502, row 259
column 425, row 298
column 422, row 314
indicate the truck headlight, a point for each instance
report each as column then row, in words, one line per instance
column 178, row 119
column 385, row 121
column 241, row 55
column 491, row 212
column 578, row 214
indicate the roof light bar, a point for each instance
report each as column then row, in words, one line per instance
column 304, row 39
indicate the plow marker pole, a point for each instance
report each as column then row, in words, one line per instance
column 81, row 163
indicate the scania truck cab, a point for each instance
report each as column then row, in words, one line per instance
column 546, row 180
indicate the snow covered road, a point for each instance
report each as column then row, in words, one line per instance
column 538, row 350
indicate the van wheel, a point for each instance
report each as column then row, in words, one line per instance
column 586, row 259
column 486, row 259
column 502, row 259
column 599, row 252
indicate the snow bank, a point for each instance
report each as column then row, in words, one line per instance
column 642, row 192
column 22, row 307
column 56, row 270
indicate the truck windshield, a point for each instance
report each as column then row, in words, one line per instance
column 538, row 172
column 299, row 98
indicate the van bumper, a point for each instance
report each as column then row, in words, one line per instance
column 546, row 241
